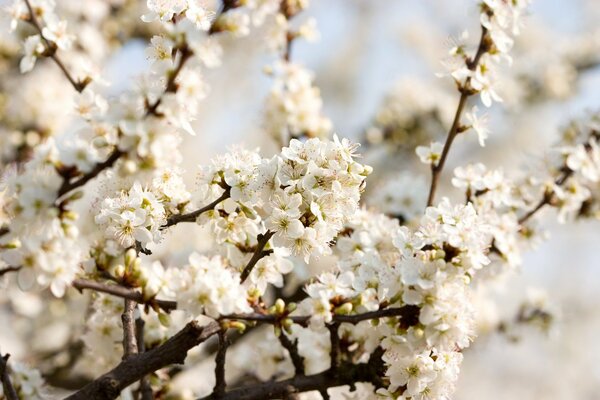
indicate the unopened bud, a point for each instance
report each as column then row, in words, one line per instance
column 130, row 257
column 240, row 326
column 119, row 271
column 291, row 307
column 279, row 306
column 344, row 309
column 164, row 319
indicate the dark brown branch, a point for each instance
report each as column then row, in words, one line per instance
column 193, row 216
column 346, row 374
column 67, row 186
column 126, row 293
column 7, row 386
column 334, row 338
column 292, row 349
column 455, row 129
column 130, row 346
column 173, row 351
column 8, row 270
column 220, row 383
column 51, row 52
column 145, row 388
column 408, row 313
column 4, row 230
column 263, row 239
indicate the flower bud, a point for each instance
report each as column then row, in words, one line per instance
column 279, row 306
column 344, row 309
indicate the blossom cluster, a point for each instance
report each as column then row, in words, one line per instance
column 394, row 279
column 426, row 272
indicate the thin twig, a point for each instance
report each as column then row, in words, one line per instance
column 51, row 50
column 9, row 269
column 193, row 216
column 7, row 386
column 263, row 239
column 465, row 93
column 67, row 186
column 124, row 292
column 408, row 313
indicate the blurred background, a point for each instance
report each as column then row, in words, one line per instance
column 377, row 53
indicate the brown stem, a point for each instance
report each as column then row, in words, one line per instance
column 263, row 239
column 408, row 313
column 292, row 349
column 130, row 347
column 121, row 291
column 67, row 186
column 145, row 388
column 51, row 49
column 346, row 374
column 8, row 269
column 465, row 93
column 220, row 383
column 173, row 351
column 334, row 338
column 193, row 216
column 7, row 386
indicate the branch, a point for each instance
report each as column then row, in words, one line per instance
column 409, row 315
column 263, row 239
column 66, row 187
column 7, row 386
column 292, row 349
column 346, row 374
column 145, row 388
column 173, row 351
column 51, row 52
column 193, row 216
column 130, row 346
column 334, row 338
column 566, row 174
column 465, row 93
column 8, row 269
column 121, row 291
column 220, row 383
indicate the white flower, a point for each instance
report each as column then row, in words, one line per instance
column 200, row 16
column 163, row 10
column 478, row 124
column 430, row 154
column 56, row 31
column 33, row 49
column 160, row 52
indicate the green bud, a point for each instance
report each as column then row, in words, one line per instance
column 130, row 257
column 240, row 326
column 291, row 307
column 164, row 319
column 344, row 309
